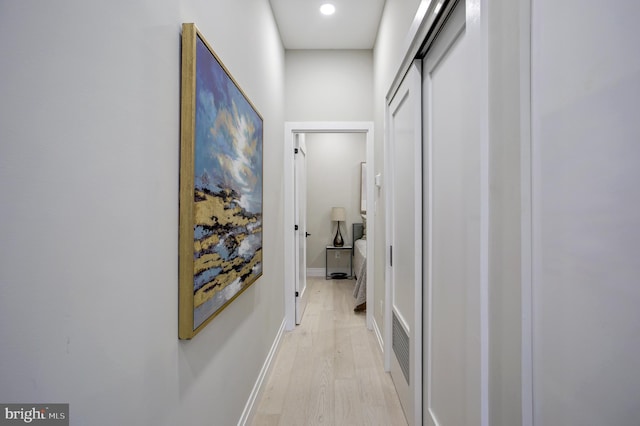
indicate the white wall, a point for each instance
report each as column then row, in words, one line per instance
column 89, row 131
column 333, row 180
column 329, row 85
column 586, row 217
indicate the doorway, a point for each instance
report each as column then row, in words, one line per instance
column 292, row 129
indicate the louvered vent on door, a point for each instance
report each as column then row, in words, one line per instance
column 400, row 344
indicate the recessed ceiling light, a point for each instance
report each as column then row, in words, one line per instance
column 327, row 9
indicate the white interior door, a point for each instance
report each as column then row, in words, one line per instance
column 300, row 190
column 405, row 155
column 452, row 137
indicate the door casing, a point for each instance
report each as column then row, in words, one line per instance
column 290, row 130
column 300, row 190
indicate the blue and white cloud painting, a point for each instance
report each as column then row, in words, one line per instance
column 228, row 189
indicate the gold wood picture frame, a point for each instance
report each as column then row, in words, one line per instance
column 221, row 173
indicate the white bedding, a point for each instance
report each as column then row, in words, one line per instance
column 360, row 254
column 360, row 264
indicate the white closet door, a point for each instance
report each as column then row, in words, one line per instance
column 405, row 155
column 452, row 134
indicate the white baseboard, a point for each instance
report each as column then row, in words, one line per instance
column 256, row 393
column 316, row 272
column 378, row 334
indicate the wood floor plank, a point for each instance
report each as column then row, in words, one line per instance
column 297, row 395
column 392, row 402
column 362, row 349
column 275, row 391
column 344, row 359
column 329, row 370
column 320, row 408
column 348, row 410
column 266, row 419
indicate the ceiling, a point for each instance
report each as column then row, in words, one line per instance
column 354, row 25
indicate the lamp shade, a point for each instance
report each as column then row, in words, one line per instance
column 338, row 214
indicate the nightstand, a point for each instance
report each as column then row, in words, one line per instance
column 338, row 264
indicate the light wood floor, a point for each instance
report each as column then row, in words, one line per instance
column 329, row 370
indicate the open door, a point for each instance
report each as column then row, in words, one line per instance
column 404, row 292
column 300, row 202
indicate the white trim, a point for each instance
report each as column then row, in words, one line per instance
column 388, row 181
column 249, row 409
column 290, row 129
column 371, row 235
column 484, row 212
column 526, row 219
column 316, row 272
column 378, row 334
column 428, row 254
column 418, row 266
column 289, row 233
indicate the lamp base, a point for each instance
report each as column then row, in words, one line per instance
column 338, row 241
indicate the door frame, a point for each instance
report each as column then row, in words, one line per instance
column 300, row 217
column 290, row 130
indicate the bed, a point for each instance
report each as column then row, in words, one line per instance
column 359, row 248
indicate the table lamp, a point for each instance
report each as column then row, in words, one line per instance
column 338, row 214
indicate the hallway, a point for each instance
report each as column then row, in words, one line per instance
column 329, row 369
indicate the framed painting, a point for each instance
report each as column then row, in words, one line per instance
column 220, row 236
